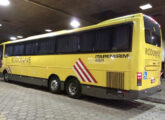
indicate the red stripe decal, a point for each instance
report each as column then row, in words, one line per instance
column 88, row 71
column 83, row 72
column 79, row 73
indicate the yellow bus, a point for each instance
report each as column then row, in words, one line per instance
column 116, row 59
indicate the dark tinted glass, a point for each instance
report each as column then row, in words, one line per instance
column 31, row 48
column 121, row 38
column 18, row 49
column 47, row 46
column 9, row 50
column 103, row 40
column 67, row 44
column 87, row 40
column 152, row 31
column 116, row 38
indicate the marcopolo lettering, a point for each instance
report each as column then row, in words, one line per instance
column 114, row 56
column 152, row 52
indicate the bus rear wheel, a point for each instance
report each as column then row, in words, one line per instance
column 54, row 85
column 73, row 88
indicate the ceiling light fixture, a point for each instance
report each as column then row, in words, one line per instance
column 75, row 23
column 19, row 36
column 4, row 2
column 13, row 38
column 146, row 6
column 48, row 30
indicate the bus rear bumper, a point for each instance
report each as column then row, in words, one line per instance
column 145, row 93
column 107, row 93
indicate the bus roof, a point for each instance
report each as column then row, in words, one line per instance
column 61, row 32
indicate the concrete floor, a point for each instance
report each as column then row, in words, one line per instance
column 25, row 102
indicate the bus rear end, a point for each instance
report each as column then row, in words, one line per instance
column 148, row 79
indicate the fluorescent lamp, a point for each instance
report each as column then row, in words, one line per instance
column 4, row 2
column 146, row 6
column 75, row 23
column 48, row 30
column 13, row 38
column 19, row 36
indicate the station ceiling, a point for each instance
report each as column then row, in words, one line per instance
column 32, row 17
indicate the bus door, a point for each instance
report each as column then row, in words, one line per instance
column 1, row 55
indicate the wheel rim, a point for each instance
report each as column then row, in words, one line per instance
column 6, row 77
column 54, row 85
column 72, row 88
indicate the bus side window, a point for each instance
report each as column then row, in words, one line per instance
column 103, row 40
column 9, row 50
column 67, row 44
column 31, row 48
column 87, row 40
column 121, row 38
column 47, row 46
column 18, row 49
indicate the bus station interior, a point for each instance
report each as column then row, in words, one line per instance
column 21, row 19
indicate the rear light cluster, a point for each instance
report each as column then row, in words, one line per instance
column 139, row 78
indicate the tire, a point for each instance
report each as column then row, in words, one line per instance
column 6, row 77
column 55, row 85
column 73, row 88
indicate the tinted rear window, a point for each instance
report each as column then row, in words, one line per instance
column 152, row 31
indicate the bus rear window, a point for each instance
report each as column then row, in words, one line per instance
column 152, row 31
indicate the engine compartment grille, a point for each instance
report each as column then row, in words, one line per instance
column 115, row 80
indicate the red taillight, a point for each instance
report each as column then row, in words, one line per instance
column 139, row 78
